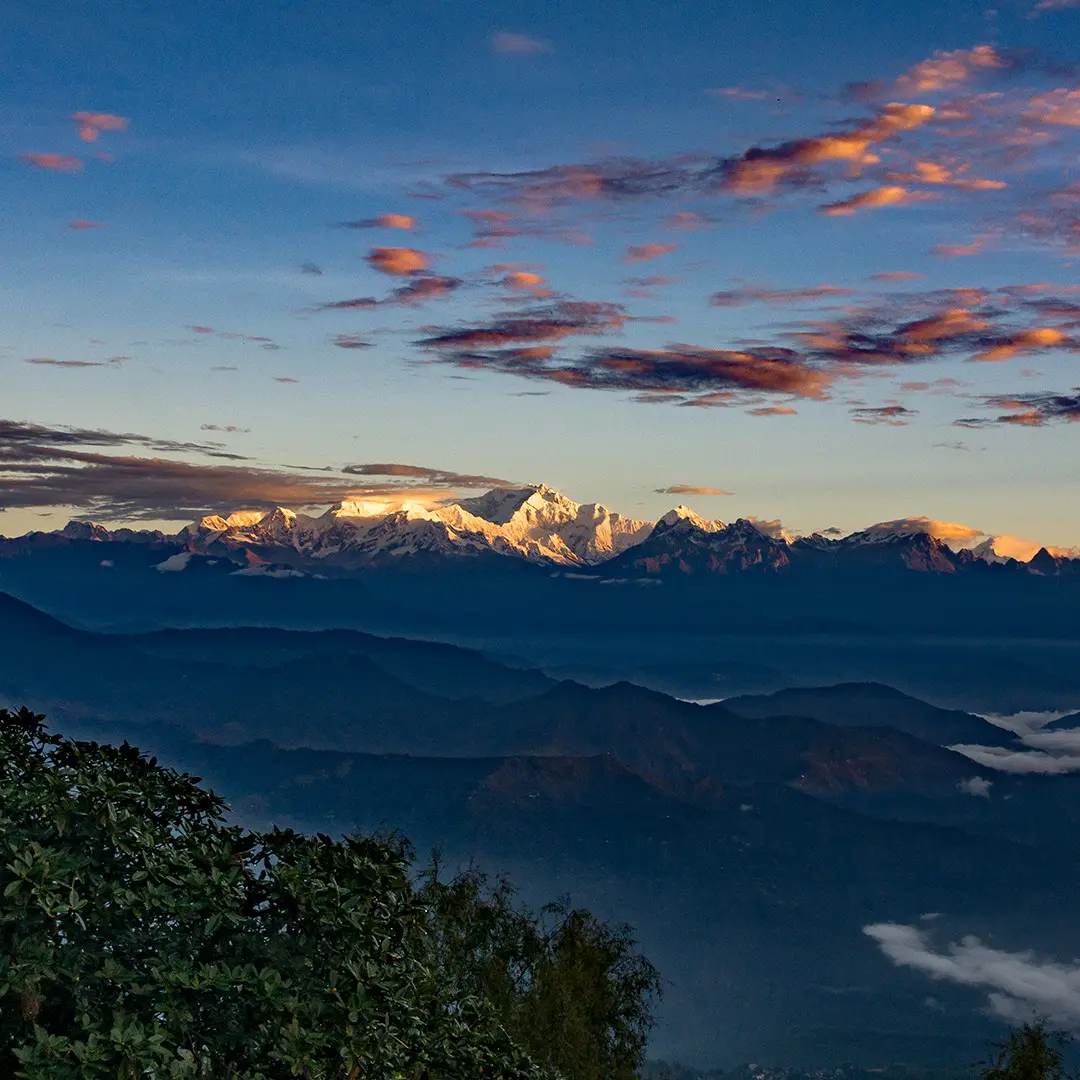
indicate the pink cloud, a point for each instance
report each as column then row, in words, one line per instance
column 646, row 252
column 53, row 162
column 896, row 275
column 947, row 70
column 508, row 44
column 91, row 123
column 1060, row 107
column 399, row 262
column 83, row 223
column 875, row 198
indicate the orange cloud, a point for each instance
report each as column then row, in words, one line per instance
column 1039, row 337
column 956, row 251
column 399, row 262
column 395, row 221
column 888, row 195
column 526, row 281
column 759, row 170
column 931, row 172
column 685, row 220
column 90, row 124
column 774, row 410
column 518, row 44
column 955, row 322
column 896, row 275
column 82, row 223
column 1056, row 107
column 53, row 162
column 646, row 252
column 691, row 489
column 383, row 221
column 939, row 530
column 947, row 70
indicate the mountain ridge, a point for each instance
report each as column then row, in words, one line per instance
column 538, row 525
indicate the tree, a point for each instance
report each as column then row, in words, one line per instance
column 568, row 987
column 1032, row 1052
column 142, row 937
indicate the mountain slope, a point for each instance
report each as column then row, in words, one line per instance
column 871, row 704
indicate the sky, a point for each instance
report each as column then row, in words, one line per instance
column 810, row 262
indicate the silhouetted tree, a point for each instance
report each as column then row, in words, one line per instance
column 1032, row 1052
column 569, row 988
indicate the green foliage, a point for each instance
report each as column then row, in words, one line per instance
column 1032, row 1052
column 142, row 937
column 568, row 987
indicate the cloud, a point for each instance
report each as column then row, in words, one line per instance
column 285, row 379
column 956, row 251
column 230, row 428
column 429, row 476
column 48, row 361
column 774, row 410
column 550, row 323
column 739, row 297
column 948, row 70
column 350, row 341
column 893, row 415
column 53, row 162
column 757, row 171
column 1054, row 5
column 740, row 93
column 976, row 785
column 1056, row 107
column 1018, row 983
column 932, row 172
column 420, row 287
column 90, row 124
column 896, row 275
column 686, row 374
column 1024, row 341
column 686, row 221
column 83, row 223
column 527, row 281
column 399, row 262
column 53, row 466
column 875, row 198
column 508, row 44
column 382, row 221
column 311, row 268
column 646, row 252
column 915, row 526
column 691, row 489
column 1027, row 410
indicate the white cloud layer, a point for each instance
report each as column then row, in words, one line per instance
column 1041, row 751
column 1018, row 984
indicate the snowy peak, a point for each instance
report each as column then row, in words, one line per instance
column 684, row 517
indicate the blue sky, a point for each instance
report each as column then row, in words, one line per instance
column 641, row 253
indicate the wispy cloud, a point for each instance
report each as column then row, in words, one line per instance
column 751, row 295
column 691, row 489
column 91, row 124
column 1018, row 984
column 875, row 198
column 511, row 44
column 636, row 253
column 80, row 224
column 1026, row 410
column 67, row 163
column 382, row 221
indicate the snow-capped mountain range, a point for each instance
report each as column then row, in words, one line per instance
column 539, row 525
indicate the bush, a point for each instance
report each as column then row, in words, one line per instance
column 144, row 937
